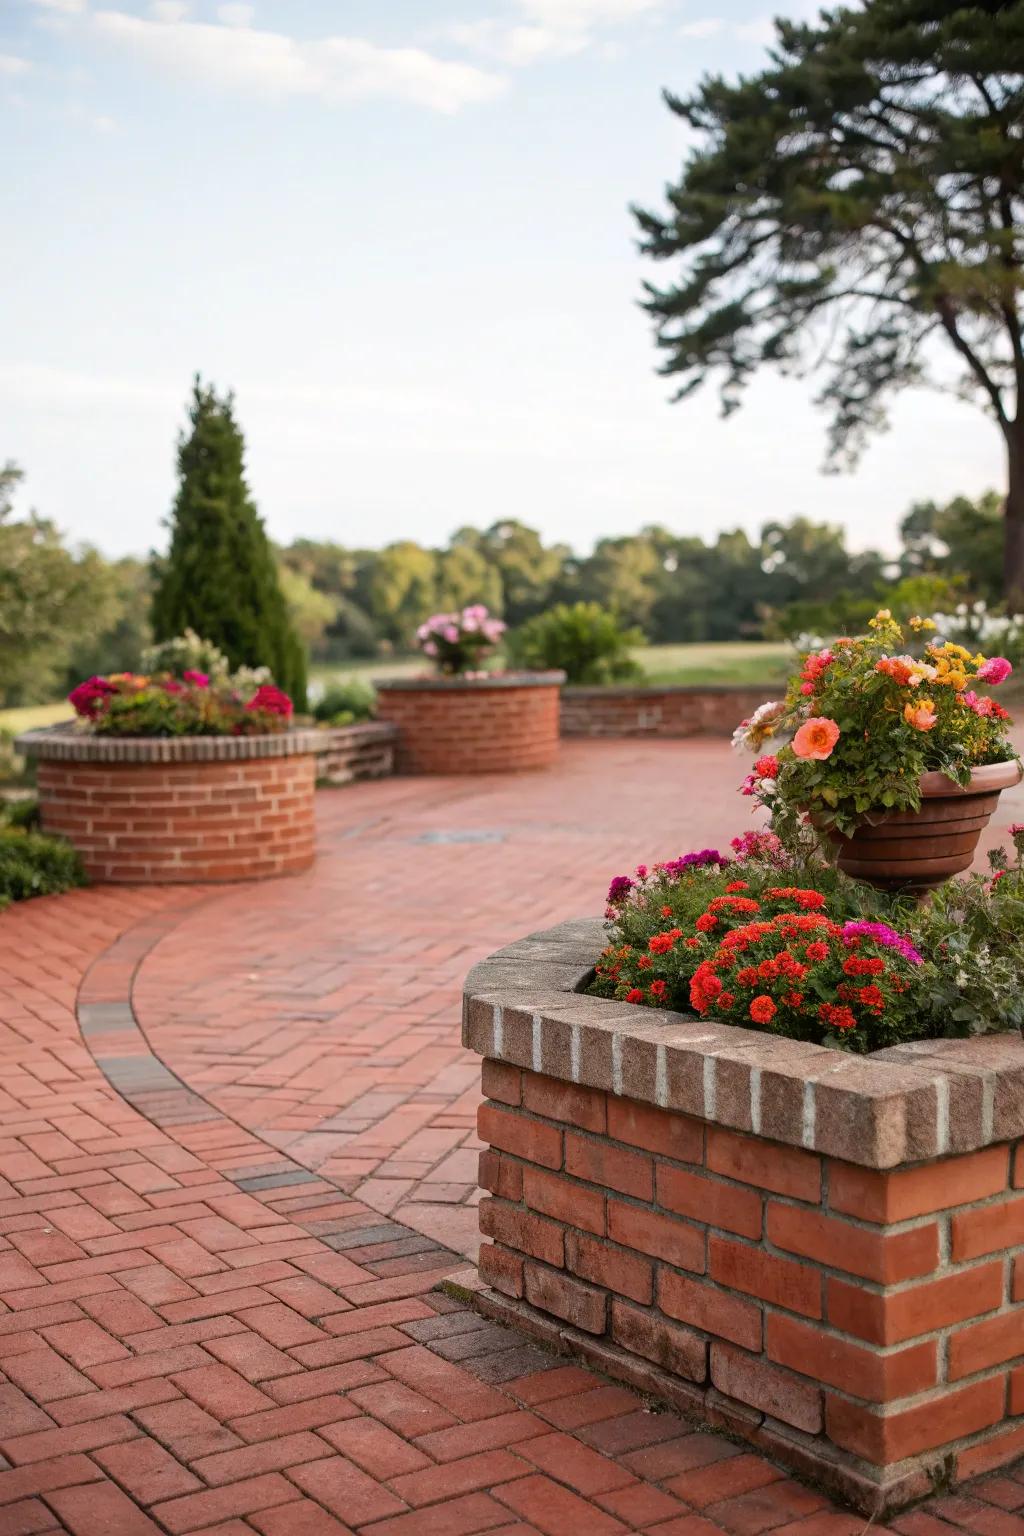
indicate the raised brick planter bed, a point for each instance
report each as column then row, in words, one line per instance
column 668, row 712
column 820, row 1253
column 460, row 725
column 186, row 809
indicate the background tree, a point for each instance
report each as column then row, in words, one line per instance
column 52, row 599
column 858, row 198
column 403, row 591
column 961, row 540
column 220, row 576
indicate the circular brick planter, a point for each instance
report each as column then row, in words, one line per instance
column 491, row 724
column 820, row 1253
column 192, row 809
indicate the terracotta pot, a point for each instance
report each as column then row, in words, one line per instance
column 918, row 850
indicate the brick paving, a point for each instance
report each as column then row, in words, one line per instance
column 237, row 1157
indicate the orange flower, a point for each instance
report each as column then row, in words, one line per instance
column 816, row 738
column 921, row 715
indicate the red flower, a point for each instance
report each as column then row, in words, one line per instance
column 659, row 989
column 857, row 965
column 726, row 1000
column 269, row 700
column 737, row 885
column 666, row 911
column 762, row 1009
column 643, row 962
column 89, row 698
column 816, row 951
column 838, row 1017
column 706, row 922
column 872, row 998
column 767, row 767
column 635, row 995
column 793, row 999
column 809, row 901
column 661, row 943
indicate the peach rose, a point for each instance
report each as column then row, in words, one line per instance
column 816, row 738
column 921, row 715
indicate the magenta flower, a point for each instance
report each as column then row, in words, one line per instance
column 197, row 679
column 994, row 671
column 884, row 935
column 619, row 890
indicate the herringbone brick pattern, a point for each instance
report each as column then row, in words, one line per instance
column 213, row 1322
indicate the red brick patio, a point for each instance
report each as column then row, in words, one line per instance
column 237, row 1151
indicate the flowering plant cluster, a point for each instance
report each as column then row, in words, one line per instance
column 130, row 704
column 772, row 939
column 457, row 642
column 864, row 719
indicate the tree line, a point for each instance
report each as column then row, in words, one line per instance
column 66, row 612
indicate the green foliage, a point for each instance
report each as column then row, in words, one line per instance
column 220, row 577
column 403, row 590
column 961, row 541
column 34, row 865
column 53, row 601
column 344, row 703
column 583, row 640
column 857, row 198
column 973, row 932
column 129, row 705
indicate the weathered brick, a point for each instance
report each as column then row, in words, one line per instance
column 675, row 1349
column 766, row 1387
column 616, row 1268
column 555, row 1100
column 564, row 1200
column 664, row 1237
column 711, row 1310
column 522, row 1230
column 744, row 1267
column 502, row 1082
column 501, row 1269
column 575, row 1302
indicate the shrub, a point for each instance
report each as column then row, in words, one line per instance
column 583, row 640
column 457, row 642
column 129, row 705
column 34, row 865
column 188, row 652
column 345, row 703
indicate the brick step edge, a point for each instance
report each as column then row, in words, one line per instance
column 867, row 1490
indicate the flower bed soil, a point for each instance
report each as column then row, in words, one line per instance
column 183, row 809
column 456, row 725
column 818, row 1253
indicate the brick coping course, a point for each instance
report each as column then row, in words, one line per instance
column 66, row 744
column 912, row 1102
column 489, row 680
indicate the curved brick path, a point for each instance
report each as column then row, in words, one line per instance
column 235, row 1134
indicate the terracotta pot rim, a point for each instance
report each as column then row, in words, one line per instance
column 989, row 777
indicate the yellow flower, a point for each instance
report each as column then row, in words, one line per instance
column 921, row 715
column 917, row 623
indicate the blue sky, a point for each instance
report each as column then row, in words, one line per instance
column 399, row 231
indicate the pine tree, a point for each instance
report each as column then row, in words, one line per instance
column 220, row 577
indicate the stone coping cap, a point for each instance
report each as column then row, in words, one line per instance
column 359, row 730
column 67, row 744
column 928, row 1099
column 655, row 690
column 491, row 680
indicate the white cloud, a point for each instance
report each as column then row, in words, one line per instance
column 170, row 10
column 550, row 28
column 272, row 64
column 62, row 7
column 235, row 15
column 10, row 64
column 707, row 26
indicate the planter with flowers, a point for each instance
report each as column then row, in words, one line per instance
column 462, row 719
column 189, row 778
column 896, row 760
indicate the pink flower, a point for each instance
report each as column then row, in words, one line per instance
column 807, row 688
column 994, row 671
column 270, row 700
column 816, row 738
column 197, row 679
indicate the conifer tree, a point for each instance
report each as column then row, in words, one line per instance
column 220, row 577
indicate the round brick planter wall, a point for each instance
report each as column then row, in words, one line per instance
column 819, row 1253
column 193, row 809
column 491, row 724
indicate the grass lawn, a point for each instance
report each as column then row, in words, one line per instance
column 32, row 715
column 731, row 661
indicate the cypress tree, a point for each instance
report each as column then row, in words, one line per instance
column 220, row 577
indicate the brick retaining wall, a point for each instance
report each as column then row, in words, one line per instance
column 353, row 752
column 669, row 712
column 822, row 1254
column 473, row 725
column 190, row 809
